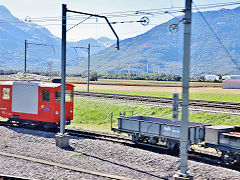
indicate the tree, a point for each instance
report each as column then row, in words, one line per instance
column 93, row 76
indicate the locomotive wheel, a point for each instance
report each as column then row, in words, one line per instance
column 49, row 126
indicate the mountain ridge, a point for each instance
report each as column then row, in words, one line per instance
column 14, row 32
column 158, row 50
column 155, row 51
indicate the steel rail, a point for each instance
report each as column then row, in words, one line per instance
column 194, row 154
column 11, row 177
column 100, row 136
column 65, row 166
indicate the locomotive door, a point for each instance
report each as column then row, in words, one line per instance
column 45, row 104
column 25, row 97
column 5, row 101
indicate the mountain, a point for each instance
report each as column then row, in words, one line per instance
column 159, row 50
column 14, row 32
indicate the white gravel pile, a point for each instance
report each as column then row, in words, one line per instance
column 96, row 155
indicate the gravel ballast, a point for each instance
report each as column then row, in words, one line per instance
column 95, row 155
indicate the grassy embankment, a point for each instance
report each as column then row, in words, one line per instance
column 95, row 114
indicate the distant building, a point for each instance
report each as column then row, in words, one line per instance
column 231, row 77
column 211, row 77
column 231, row 82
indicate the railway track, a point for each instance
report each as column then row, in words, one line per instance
column 10, row 177
column 194, row 154
column 72, row 132
column 55, row 164
column 99, row 135
column 212, row 106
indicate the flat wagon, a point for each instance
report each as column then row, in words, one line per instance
column 34, row 102
column 226, row 139
column 165, row 132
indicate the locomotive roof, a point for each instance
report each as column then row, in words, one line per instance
column 41, row 84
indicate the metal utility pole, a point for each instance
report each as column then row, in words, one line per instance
column 63, row 69
column 88, row 68
column 87, row 49
column 184, row 144
column 25, row 50
column 62, row 140
column 175, row 107
column 25, row 58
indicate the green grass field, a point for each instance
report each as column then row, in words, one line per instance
column 95, row 114
column 211, row 96
column 199, row 93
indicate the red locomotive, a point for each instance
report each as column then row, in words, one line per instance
column 34, row 103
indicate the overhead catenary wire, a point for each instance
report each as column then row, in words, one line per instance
column 151, row 12
column 78, row 23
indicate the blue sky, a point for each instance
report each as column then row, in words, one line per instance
column 95, row 28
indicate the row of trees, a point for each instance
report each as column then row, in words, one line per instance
column 147, row 76
column 157, row 77
column 94, row 76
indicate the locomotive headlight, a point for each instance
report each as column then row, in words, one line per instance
column 56, row 112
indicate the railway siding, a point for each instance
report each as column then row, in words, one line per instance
column 198, row 105
column 94, row 155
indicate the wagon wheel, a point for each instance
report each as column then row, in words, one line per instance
column 153, row 140
column 238, row 158
column 173, row 146
column 227, row 158
column 135, row 138
column 170, row 144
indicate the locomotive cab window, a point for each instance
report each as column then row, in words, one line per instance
column 45, row 96
column 6, row 93
column 68, row 96
column 57, row 96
